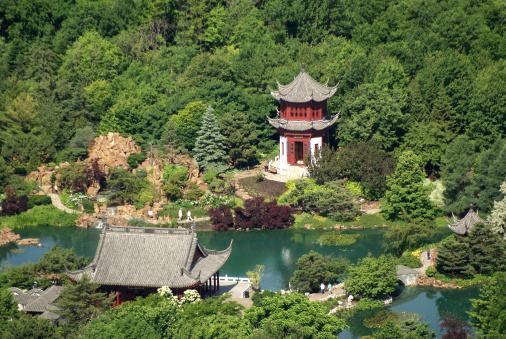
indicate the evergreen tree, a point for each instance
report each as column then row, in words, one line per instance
column 406, row 193
column 489, row 312
column 210, row 145
column 498, row 216
column 490, row 173
column 453, row 258
column 79, row 303
column 486, row 250
column 456, row 168
column 240, row 137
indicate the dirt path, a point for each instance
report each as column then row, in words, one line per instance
column 55, row 199
column 337, row 290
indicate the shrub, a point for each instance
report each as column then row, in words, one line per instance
column 88, row 206
column 78, row 176
column 37, row 200
column 134, row 160
column 219, row 186
column 175, row 174
column 209, row 175
column 259, row 176
column 368, row 304
column 12, row 204
column 51, row 164
column 173, row 191
column 409, row 261
column 263, row 215
column 430, row 271
column 221, row 218
column 216, row 201
column 141, row 173
column 194, row 194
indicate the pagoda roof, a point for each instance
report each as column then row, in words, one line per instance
column 303, row 89
column 464, row 225
column 151, row 257
column 37, row 300
column 299, row 126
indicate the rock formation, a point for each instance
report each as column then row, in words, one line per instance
column 8, row 236
column 112, row 150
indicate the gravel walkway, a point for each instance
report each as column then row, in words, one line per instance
column 55, row 199
column 425, row 262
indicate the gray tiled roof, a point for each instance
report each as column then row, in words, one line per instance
column 50, row 315
column 21, row 297
column 464, row 225
column 43, row 302
column 303, row 89
column 300, row 126
column 151, row 257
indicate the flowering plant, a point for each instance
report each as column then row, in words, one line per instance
column 189, row 296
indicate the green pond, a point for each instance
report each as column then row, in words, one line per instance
column 278, row 250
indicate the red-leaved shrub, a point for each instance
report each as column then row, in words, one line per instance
column 221, row 218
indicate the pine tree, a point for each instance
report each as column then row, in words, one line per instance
column 210, row 145
column 498, row 216
column 453, row 258
column 486, row 250
column 80, row 302
column 406, row 193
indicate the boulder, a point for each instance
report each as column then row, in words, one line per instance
column 28, row 242
column 8, row 236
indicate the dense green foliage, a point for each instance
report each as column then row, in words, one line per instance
column 372, row 277
column 313, row 269
column 80, row 302
column 412, row 75
column 489, row 312
column 330, row 199
column 401, row 237
column 337, row 239
column 31, row 327
column 40, row 215
column 359, row 161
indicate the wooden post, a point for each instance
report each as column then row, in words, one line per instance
column 218, row 280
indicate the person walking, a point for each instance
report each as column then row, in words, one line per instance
column 180, row 214
column 330, row 288
column 322, row 287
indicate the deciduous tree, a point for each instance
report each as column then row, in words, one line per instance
column 372, row 277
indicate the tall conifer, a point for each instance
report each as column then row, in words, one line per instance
column 210, row 145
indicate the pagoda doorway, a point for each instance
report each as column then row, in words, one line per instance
column 299, row 153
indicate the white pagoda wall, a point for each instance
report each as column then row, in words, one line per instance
column 282, row 152
column 315, row 141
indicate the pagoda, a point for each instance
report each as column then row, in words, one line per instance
column 464, row 226
column 303, row 123
column 136, row 261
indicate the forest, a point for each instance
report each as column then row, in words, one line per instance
column 413, row 75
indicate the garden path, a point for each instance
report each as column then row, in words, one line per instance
column 425, row 262
column 55, row 199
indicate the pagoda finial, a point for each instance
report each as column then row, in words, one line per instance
column 471, row 207
column 303, row 65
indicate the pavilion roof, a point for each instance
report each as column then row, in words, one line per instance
column 464, row 225
column 37, row 300
column 303, row 89
column 151, row 257
column 300, row 126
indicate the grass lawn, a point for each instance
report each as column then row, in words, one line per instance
column 268, row 189
column 364, row 221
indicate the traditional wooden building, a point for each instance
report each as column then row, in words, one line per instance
column 38, row 302
column 136, row 261
column 303, row 122
column 464, row 226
